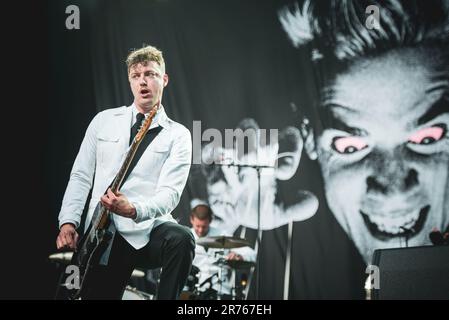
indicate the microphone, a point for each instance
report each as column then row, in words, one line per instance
column 61, row 256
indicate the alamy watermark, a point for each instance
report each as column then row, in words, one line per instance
column 373, row 19
column 73, row 279
column 73, row 19
column 236, row 143
column 373, row 277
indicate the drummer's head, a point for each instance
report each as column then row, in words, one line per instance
column 200, row 218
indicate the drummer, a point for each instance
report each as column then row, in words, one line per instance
column 206, row 258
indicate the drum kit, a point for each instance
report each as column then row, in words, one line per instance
column 239, row 289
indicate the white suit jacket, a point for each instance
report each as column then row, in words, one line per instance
column 155, row 184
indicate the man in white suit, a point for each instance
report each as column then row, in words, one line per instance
column 147, row 235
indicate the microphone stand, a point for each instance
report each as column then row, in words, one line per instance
column 258, row 240
column 407, row 233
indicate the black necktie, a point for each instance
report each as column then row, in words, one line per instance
column 136, row 126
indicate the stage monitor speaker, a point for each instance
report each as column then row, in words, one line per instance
column 412, row 273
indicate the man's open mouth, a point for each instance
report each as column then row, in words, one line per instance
column 398, row 224
column 144, row 92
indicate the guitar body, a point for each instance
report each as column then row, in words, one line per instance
column 91, row 248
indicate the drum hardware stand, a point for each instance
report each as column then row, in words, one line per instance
column 258, row 240
column 220, row 273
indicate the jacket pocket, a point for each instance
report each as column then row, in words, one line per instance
column 160, row 149
column 152, row 160
column 107, row 148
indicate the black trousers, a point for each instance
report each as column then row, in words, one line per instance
column 171, row 246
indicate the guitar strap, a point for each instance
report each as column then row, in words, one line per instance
column 147, row 139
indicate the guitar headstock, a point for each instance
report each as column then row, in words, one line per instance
column 147, row 123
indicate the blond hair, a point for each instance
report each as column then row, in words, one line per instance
column 145, row 55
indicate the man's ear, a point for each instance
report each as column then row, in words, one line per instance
column 309, row 143
column 165, row 79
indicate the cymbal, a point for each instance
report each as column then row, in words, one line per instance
column 235, row 264
column 222, row 242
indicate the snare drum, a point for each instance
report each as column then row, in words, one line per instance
column 134, row 294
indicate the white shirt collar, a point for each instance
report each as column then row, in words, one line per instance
column 160, row 119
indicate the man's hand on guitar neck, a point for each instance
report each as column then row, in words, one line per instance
column 118, row 204
column 67, row 238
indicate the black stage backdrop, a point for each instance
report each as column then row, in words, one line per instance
column 234, row 64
